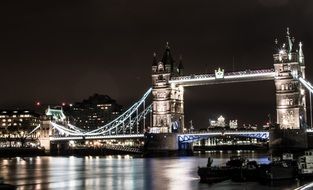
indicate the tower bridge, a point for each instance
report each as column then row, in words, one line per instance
column 166, row 112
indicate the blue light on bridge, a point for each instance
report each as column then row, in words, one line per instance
column 189, row 138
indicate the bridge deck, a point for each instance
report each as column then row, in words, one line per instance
column 232, row 77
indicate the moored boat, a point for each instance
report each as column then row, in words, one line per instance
column 213, row 174
column 280, row 168
column 249, row 171
column 237, row 169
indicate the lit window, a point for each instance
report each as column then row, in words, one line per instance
column 3, row 120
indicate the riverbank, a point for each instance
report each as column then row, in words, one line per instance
column 231, row 147
column 30, row 152
column 14, row 152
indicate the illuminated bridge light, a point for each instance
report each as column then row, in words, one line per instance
column 188, row 138
column 98, row 137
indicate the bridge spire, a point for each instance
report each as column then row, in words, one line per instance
column 301, row 55
column 155, row 62
column 167, row 59
column 167, row 45
column 289, row 41
column 180, row 67
column 276, row 46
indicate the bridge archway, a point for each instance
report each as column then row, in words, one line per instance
column 238, row 101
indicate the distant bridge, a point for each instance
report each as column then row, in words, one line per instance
column 184, row 137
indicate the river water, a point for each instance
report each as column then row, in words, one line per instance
column 123, row 172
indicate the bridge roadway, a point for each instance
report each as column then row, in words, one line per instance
column 183, row 137
column 231, row 77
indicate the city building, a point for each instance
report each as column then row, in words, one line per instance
column 18, row 122
column 233, row 124
column 220, row 122
column 249, row 126
column 93, row 112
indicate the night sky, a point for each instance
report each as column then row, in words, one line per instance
column 55, row 51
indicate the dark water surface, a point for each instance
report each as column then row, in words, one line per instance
column 123, row 172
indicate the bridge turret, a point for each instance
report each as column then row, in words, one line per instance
column 168, row 59
column 180, row 67
column 289, row 41
column 290, row 101
column 302, row 88
column 154, row 63
column 301, row 60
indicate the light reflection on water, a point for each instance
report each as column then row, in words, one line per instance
column 119, row 172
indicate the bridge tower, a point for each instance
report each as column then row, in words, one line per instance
column 168, row 105
column 168, row 100
column 45, row 131
column 290, row 96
